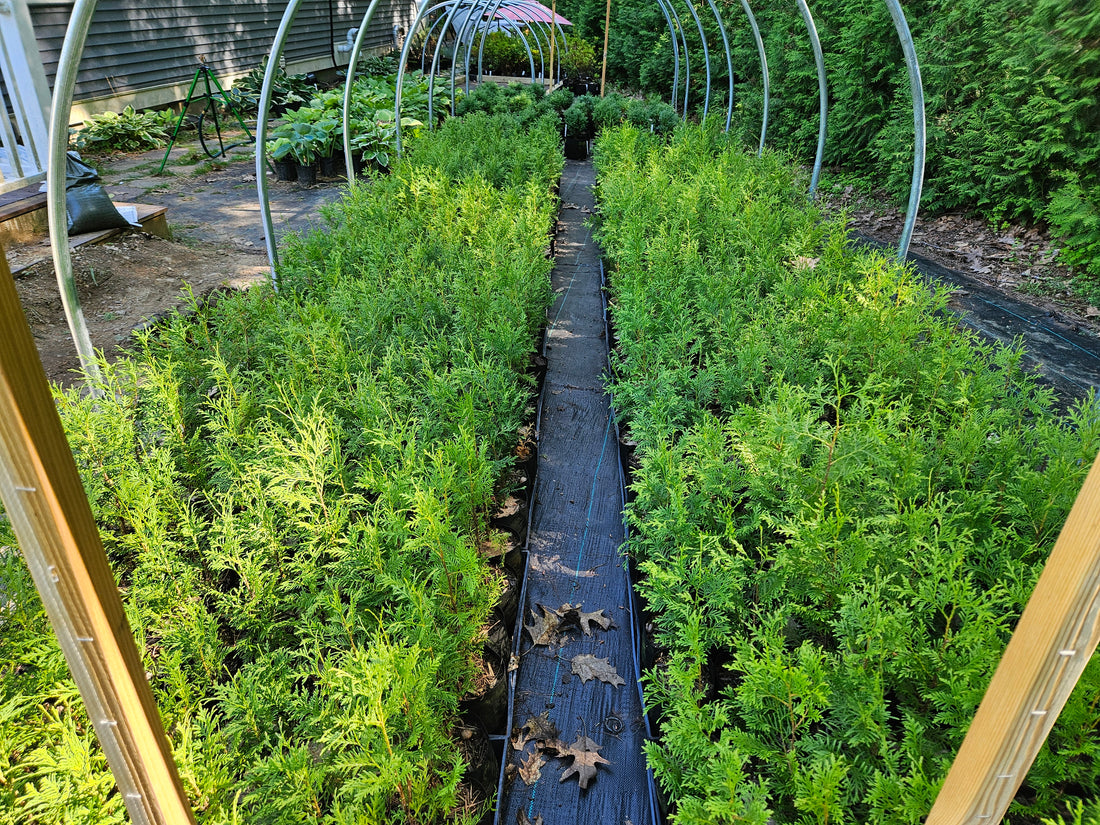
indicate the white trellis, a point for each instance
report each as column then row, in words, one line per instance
column 24, row 134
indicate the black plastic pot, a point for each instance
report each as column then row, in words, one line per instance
column 329, row 166
column 286, row 170
column 576, row 148
column 307, row 174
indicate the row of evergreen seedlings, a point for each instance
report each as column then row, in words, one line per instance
column 294, row 490
column 842, row 500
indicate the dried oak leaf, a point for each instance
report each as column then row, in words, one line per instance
column 586, row 757
column 572, row 615
column 530, row 769
column 544, row 628
column 588, row 667
column 541, row 728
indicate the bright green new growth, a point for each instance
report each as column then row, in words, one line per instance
column 293, row 489
column 841, row 505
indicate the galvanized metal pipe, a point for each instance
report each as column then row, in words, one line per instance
column 687, row 57
column 353, row 61
column 675, row 51
column 547, row 34
column 431, row 31
column 439, row 44
column 562, row 50
column 482, row 5
column 916, row 92
column 823, row 94
column 706, row 58
column 481, row 46
column 57, row 214
column 763, row 72
column 421, row 10
column 512, row 24
column 729, row 61
column 451, row 7
column 261, row 133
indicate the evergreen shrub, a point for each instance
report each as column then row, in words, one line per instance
column 841, row 505
column 294, row 491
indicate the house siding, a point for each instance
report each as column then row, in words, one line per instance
column 140, row 45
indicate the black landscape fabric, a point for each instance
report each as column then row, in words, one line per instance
column 574, row 753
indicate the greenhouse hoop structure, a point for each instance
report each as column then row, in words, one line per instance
column 1055, row 638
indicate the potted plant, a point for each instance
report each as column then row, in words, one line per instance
column 577, row 120
column 328, row 152
column 278, row 149
column 578, row 65
column 306, row 141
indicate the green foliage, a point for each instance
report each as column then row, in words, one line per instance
column 1011, row 92
column 842, row 501
column 294, row 489
column 315, row 130
column 287, row 90
column 526, row 103
column 578, row 61
column 126, row 131
column 503, row 53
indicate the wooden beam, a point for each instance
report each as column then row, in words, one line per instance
column 1045, row 657
column 44, row 498
column 606, row 32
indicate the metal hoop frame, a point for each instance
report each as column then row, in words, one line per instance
column 80, row 21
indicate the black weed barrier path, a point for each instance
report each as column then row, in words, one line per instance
column 577, row 728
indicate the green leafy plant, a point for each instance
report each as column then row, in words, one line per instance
column 578, row 61
column 125, row 131
column 841, row 500
column 294, row 489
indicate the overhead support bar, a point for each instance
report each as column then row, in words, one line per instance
column 57, row 215
column 823, row 94
column 916, row 92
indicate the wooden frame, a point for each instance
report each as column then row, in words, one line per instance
column 45, row 500
column 1053, row 642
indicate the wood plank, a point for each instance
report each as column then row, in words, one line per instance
column 44, row 498
column 1053, row 642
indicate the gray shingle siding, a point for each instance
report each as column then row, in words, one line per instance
column 134, row 45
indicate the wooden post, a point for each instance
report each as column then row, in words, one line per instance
column 43, row 496
column 606, row 32
column 1053, row 642
column 553, row 37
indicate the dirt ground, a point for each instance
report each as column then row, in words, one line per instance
column 216, row 241
column 1018, row 261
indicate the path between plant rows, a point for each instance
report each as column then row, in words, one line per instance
column 575, row 751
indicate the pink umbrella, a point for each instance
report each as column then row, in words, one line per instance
column 529, row 12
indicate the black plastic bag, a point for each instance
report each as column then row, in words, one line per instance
column 90, row 210
column 77, row 172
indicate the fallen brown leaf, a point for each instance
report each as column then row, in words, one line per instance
column 588, row 667
column 586, row 757
column 530, row 769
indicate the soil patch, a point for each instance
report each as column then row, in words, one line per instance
column 1015, row 260
column 122, row 284
column 217, row 241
